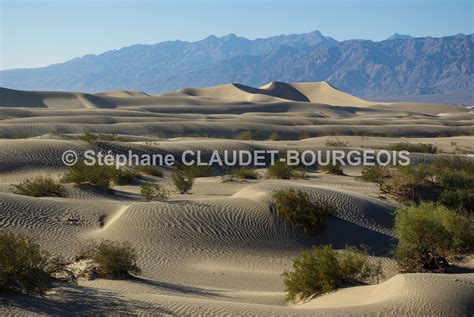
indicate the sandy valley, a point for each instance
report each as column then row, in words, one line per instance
column 220, row 250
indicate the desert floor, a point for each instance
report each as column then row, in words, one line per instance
column 220, row 250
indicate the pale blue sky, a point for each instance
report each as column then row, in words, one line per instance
column 38, row 33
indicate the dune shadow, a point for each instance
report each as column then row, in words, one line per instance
column 182, row 289
column 70, row 299
column 340, row 233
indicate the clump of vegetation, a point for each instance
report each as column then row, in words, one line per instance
column 376, row 174
column 249, row 135
column 449, row 181
column 413, row 147
column 300, row 172
column 150, row 170
column 194, row 171
column 21, row 135
column 323, row 270
column 82, row 174
column 98, row 175
column 182, row 182
column 112, row 138
column 280, row 170
column 110, row 260
column 124, row 177
column 334, row 169
column 274, row 136
column 337, row 142
column 430, row 236
column 88, row 136
column 151, row 191
column 25, row 267
column 303, row 135
column 245, row 173
column 39, row 186
column 295, row 207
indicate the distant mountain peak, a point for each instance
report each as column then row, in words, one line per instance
column 397, row 36
column 421, row 65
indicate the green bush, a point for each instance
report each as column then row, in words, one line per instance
column 150, row 170
column 448, row 180
column 182, row 182
column 21, row 135
column 376, row 174
column 124, row 177
column 460, row 200
column 295, row 207
column 413, row 147
column 280, row 170
column 98, row 175
column 334, row 169
column 24, row 266
column 82, row 174
column 337, row 143
column 323, row 270
column 274, row 137
column 151, row 191
column 249, row 135
column 430, row 236
column 194, row 171
column 245, row 173
column 39, row 186
column 303, row 135
column 412, row 184
column 111, row 260
column 88, row 136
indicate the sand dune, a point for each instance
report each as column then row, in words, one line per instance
column 219, row 250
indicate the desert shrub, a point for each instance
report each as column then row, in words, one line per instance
column 300, row 172
column 376, row 174
column 88, row 136
column 98, row 175
column 303, row 135
column 151, row 191
column 82, row 174
column 21, row 135
column 447, row 180
column 249, row 135
column 295, row 207
column 337, row 142
column 194, row 171
column 182, row 182
column 413, row 147
column 274, row 136
column 111, row 260
column 460, row 200
column 113, row 138
column 39, row 186
column 412, row 184
column 323, row 269
column 430, row 236
column 24, row 266
column 334, row 169
column 245, row 173
column 150, row 170
column 123, row 177
column 280, row 170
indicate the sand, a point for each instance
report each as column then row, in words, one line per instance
column 219, row 250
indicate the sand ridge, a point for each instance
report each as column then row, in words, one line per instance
column 221, row 249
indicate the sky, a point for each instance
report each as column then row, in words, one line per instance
column 37, row 33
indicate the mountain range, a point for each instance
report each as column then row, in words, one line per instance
column 398, row 66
